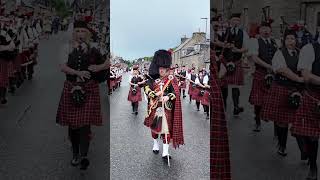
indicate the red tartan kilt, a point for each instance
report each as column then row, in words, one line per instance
column 237, row 77
column 135, row 98
column 275, row 107
column 120, row 79
column 205, row 100
column 112, row 83
column 191, row 90
column 307, row 119
column 11, row 69
column 88, row 114
column 195, row 94
column 4, row 79
column 183, row 84
column 169, row 115
column 259, row 89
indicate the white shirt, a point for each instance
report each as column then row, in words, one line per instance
column 306, row 57
column 278, row 60
column 254, row 46
column 205, row 80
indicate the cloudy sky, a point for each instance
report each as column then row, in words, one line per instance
column 140, row 27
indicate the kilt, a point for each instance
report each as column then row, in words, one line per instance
column 135, row 98
column 169, row 115
column 237, row 77
column 191, row 90
column 275, row 107
column 259, row 89
column 112, row 83
column 183, row 84
column 88, row 114
column 195, row 95
column 307, row 119
column 11, row 69
column 4, row 78
column 205, row 99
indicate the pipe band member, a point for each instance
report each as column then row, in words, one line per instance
column 236, row 43
column 134, row 95
column 276, row 106
column 306, row 125
column 164, row 116
column 261, row 53
column 79, row 106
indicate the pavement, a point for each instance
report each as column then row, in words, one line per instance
column 32, row 145
column 131, row 143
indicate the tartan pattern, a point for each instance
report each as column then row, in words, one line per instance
column 88, row 114
column 275, row 107
column 195, row 94
column 237, row 77
column 205, row 99
column 307, row 119
column 11, row 69
column 219, row 144
column 162, row 136
column 258, row 90
column 4, row 79
column 174, row 118
column 135, row 98
column 183, row 84
column 191, row 90
column 17, row 62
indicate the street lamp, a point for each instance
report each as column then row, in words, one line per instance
column 206, row 25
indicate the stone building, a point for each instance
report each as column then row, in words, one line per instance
column 292, row 11
column 193, row 52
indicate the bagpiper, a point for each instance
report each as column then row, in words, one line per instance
column 306, row 123
column 280, row 103
column 136, row 83
column 261, row 53
column 164, row 116
column 79, row 106
column 236, row 42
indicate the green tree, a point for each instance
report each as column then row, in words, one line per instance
column 61, row 8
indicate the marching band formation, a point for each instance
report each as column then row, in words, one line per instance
column 285, row 86
column 20, row 35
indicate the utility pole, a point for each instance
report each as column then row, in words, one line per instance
column 206, row 25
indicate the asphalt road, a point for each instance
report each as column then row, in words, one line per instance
column 32, row 146
column 131, row 143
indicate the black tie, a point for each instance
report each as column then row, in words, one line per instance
column 293, row 53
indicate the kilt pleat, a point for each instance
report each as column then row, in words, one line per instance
column 4, row 78
column 195, row 95
column 89, row 114
column 135, row 98
column 237, row 77
column 275, row 107
column 205, row 100
column 307, row 121
column 258, row 90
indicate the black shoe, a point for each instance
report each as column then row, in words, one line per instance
column 166, row 157
column 198, row 109
column 84, row 164
column 75, row 161
column 4, row 101
column 30, row 77
column 136, row 112
column 184, row 97
column 313, row 174
column 282, row 152
column 207, row 117
column 257, row 128
column 237, row 111
column 155, row 151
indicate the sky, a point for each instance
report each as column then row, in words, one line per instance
column 138, row 28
